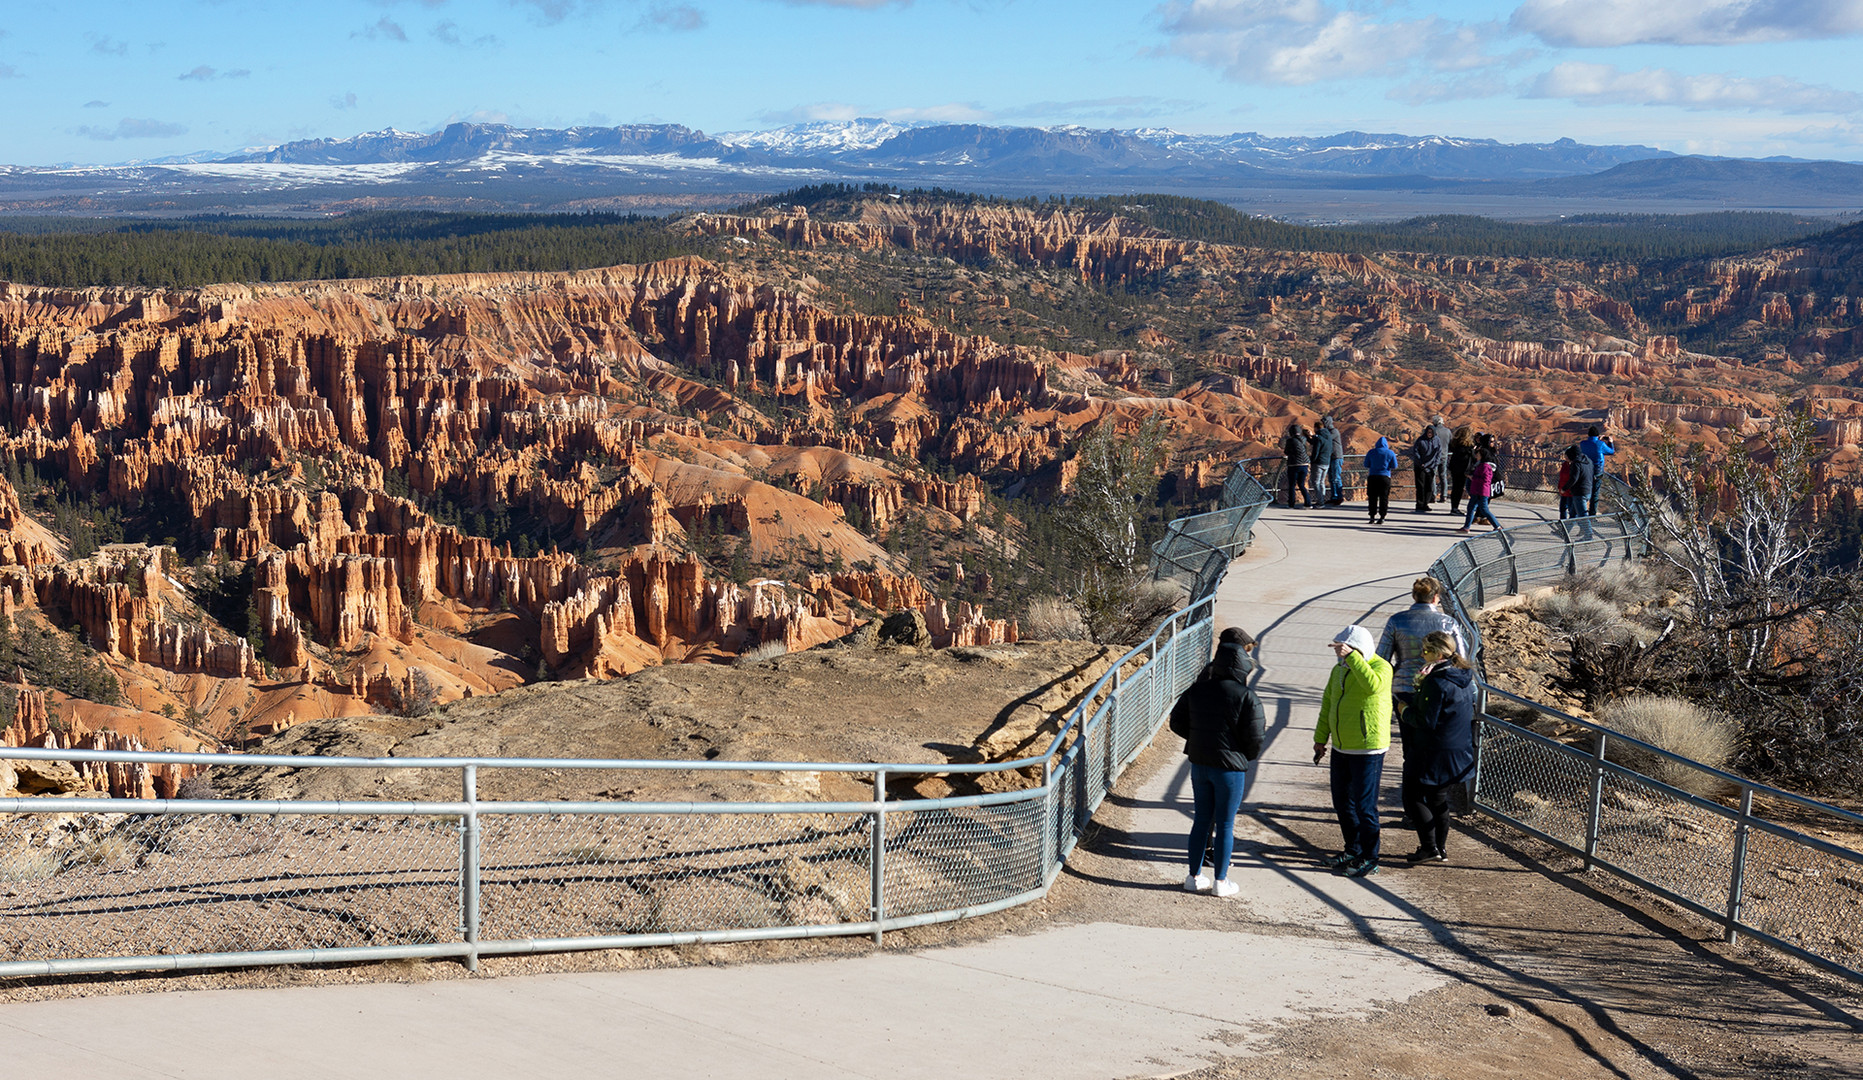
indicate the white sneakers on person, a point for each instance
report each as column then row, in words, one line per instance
column 1225, row 887
column 1197, row 883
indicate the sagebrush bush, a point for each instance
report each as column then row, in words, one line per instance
column 1678, row 726
column 769, row 650
column 1620, row 583
column 1050, row 618
column 1580, row 614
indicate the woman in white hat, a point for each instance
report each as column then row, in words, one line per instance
column 1355, row 722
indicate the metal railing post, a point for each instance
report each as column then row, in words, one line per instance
column 469, row 865
column 878, row 855
column 1597, row 802
column 1736, row 885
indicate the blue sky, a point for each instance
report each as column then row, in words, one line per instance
column 140, row 80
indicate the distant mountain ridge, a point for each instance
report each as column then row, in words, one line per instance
column 657, row 168
column 882, row 145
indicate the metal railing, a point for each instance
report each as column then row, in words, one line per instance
column 1197, row 549
column 1709, row 841
column 107, row 885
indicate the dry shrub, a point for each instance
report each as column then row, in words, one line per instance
column 1619, row 584
column 1678, row 726
column 104, row 851
column 757, row 654
column 1580, row 614
column 1050, row 618
column 27, row 864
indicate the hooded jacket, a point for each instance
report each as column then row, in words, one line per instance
column 1439, row 728
column 1219, row 716
column 1428, row 451
column 1328, row 449
column 1355, row 710
column 1296, row 446
column 1381, row 461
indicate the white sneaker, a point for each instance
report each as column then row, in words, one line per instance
column 1197, row 883
column 1225, row 887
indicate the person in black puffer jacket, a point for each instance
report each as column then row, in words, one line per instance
column 1439, row 742
column 1221, row 721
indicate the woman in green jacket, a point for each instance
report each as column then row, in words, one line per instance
column 1355, row 721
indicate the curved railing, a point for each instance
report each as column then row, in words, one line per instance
column 1707, row 840
column 161, row 884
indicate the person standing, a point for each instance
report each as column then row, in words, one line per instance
column 1355, row 723
column 1316, row 472
column 1439, row 746
column 1222, row 723
column 1596, row 448
column 1426, row 458
column 1461, row 456
column 1329, row 457
column 1401, row 644
column 1379, row 465
column 1440, row 486
column 1480, row 490
column 1299, row 455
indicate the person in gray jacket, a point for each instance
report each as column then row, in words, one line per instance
column 1404, row 633
column 1443, row 437
column 1331, row 457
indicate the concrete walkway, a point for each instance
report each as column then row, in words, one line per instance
column 1114, row 995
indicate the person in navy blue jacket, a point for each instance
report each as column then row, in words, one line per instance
column 1439, row 743
column 1379, row 465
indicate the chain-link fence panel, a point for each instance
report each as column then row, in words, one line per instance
column 1806, row 895
column 110, row 885
column 939, row 860
column 1534, row 781
column 563, row 876
column 1654, row 833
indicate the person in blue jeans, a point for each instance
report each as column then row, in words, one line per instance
column 1222, row 723
column 1596, row 448
column 1480, row 490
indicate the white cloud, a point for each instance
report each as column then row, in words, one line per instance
column 1595, row 23
column 96, row 104
column 1603, row 84
column 1429, row 91
column 1294, row 42
column 384, row 29
column 203, row 73
column 671, row 17
column 1140, row 107
column 133, row 129
column 108, row 46
column 347, row 101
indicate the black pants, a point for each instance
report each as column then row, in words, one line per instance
column 1378, row 493
column 1458, row 483
column 1423, row 477
column 1428, row 807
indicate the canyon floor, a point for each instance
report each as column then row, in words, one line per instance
column 1504, row 962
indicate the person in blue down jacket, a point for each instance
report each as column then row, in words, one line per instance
column 1402, row 641
column 1222, row 723
column 1439, row 743
column 1379, row 465
column 1595, row 448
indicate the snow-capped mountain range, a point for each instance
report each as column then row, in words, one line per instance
column 668, row 166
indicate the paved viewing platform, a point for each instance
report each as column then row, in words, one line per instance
column 1130, row 977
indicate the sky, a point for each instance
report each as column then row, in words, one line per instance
column 130, row 81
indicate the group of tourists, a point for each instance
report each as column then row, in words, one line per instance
column 1418, row 674
column 1446, row 466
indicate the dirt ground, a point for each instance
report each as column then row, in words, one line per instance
column 1553, row 972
